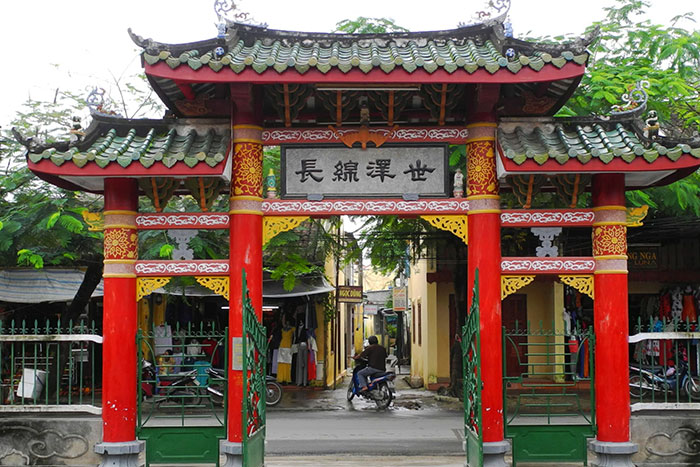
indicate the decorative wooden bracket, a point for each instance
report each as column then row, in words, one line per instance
column 94, row 220
column 511, row 284
column 635, row 216
column 582, row 283
column 363, row 136
column 455, row 224
column 219, row 285
column 276, row 225
column 146, row 285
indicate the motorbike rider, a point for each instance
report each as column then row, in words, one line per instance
column 376, row 357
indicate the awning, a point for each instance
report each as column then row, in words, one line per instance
column 303, row 286
column 61, row 285
column 41, row 285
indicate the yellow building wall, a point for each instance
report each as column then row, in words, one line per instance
column 418, row 294
column 545, row 306
column 442, row 337
column 430, row 359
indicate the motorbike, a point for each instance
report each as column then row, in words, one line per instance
column 380, row 387
column 217, row 381
column 642, row 381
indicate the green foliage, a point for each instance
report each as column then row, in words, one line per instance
column 363, row 25
column 630, row 50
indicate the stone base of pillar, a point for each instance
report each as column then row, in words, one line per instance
column 495, row 453
column 233, row 452
column 613, row 454
column 124, row 454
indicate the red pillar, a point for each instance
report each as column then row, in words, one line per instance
column 245, row 237
column 484, row 254
column 119, row 318
column 611, row 320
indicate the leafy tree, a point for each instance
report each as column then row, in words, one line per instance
column 630, row 50
column 363, row 25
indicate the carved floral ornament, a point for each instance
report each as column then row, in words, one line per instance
column 120, row 243
column 511, row 284
column 610, row 240
column 582, row 283
column 146, row 285
column 455, row 224
column 273, row 226
column 481, row 169
column 247, row 170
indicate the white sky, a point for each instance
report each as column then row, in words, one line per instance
column 76, row 44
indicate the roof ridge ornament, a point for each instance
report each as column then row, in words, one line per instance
column 494, row 8
column 634, row 102
column 228, row 11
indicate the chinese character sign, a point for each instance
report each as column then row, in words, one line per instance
column 388, row 171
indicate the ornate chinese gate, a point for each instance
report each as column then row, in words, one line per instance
column 471, row 367
column 254, row 364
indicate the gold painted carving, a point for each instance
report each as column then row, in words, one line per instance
column 120, row 243
column 582, row 283
column 609, row 240
column 363, row 136
column 276, row 225
column 94, row 220
column 146, row 285
column 455, row 224
column 219, row 285
column 635, row 216
column 511, row 284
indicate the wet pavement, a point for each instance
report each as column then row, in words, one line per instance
column 317, row 399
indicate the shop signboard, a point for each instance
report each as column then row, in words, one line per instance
column 370, row 308
column 389, row 171
column 643, row 257
column 399, row 296
column 350, row 294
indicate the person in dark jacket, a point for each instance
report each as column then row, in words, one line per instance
column 376, row 357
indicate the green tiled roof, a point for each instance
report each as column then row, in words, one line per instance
column 143, row 144
column 585, row 141
column 259, row 49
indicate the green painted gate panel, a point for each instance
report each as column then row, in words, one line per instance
column 183, row 445
column 254, row 385
column 471, row 370
column 550, row 443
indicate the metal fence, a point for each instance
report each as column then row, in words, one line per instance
column 48, row 367
column 665, row 357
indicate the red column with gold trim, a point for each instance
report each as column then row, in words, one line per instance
column 119, row 311
column 245, row 249
column 484, row 254
column 611, row 321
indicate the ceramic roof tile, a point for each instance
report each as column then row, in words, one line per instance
column 567, row 139
column 107, row 144
column 260, row 49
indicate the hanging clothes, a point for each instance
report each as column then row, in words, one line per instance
column 284, row 356
column 301, row 363
column 313, row 348
column 689, row 313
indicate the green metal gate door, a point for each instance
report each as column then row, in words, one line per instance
column 550, row 404
column 254, row 389
column 180, row 420
column 471, row 367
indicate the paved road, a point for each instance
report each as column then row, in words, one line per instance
column 364, row 431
